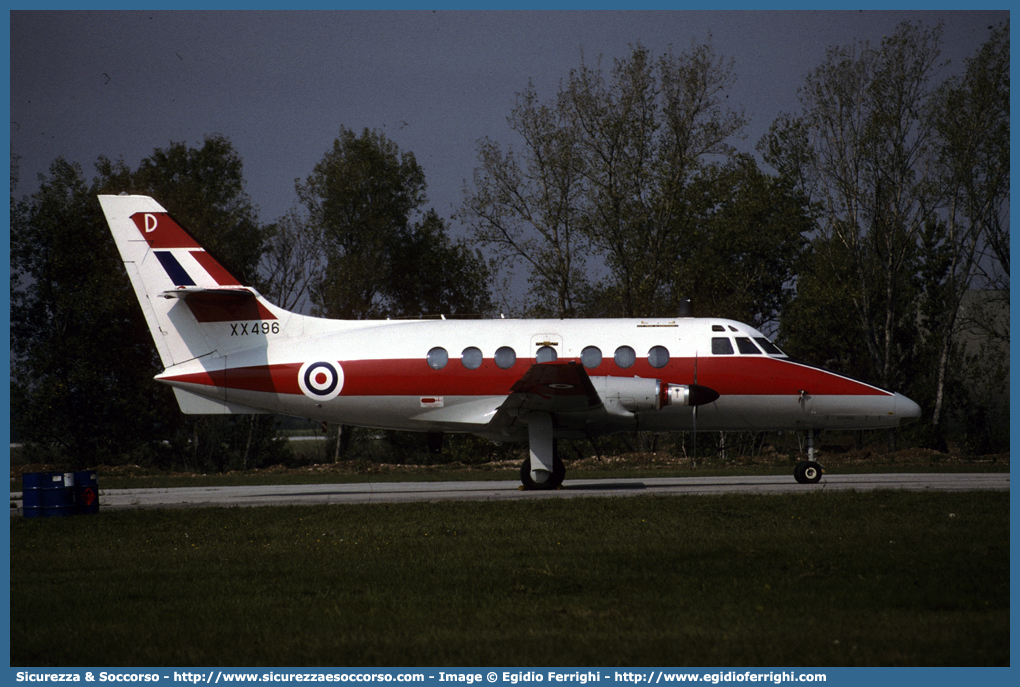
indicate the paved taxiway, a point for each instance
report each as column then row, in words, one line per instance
column 397, row 492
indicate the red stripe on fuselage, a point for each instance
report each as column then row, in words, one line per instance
column 737, row 375
column 205, row 378
column 280, row 379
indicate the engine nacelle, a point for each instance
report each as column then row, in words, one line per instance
column 629, row 394
column 637, row 394
column 689, row 395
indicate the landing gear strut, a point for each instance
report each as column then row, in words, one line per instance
column 542, row 469
column 808, row 471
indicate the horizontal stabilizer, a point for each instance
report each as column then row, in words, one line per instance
column 190, row 291
column 223, row 304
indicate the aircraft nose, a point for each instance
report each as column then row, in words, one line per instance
column 906, row 410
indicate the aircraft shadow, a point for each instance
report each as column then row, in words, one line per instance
column 605, row 486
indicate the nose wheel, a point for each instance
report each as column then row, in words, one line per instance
column 807, row 472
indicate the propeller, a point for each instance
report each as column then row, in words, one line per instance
column 694, row 434
column 698, row 395
column 693, row 395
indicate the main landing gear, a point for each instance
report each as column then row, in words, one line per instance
column 808, row 471
column 542, row 469
column 551, row 480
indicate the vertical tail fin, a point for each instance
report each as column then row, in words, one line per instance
column 193, row 305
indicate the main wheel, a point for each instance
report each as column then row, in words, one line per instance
column 807, row 472
column 555, row 478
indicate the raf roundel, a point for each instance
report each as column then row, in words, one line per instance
column 321, row 381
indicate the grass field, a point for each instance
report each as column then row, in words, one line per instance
column 838, row 579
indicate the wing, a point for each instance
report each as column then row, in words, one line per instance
column 561, row 389
column 552, row 388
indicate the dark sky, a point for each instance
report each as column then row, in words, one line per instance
column 280, row 85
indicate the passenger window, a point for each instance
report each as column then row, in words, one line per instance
column 546, row 354
column 768, row 346
column 658, row 356
column 624, row 357
column 505, row 357
column 591, row 357
column 721, row 346
column 745, row 346
column 437, row 358
column 471, row 358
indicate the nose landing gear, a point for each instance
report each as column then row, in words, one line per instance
column 808, row 471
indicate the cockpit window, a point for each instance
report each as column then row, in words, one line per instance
column 721, row 345
column 745, row 346
column 768, row 346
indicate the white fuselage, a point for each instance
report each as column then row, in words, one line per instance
column 383, row 376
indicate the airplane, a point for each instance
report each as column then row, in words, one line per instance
column 226, row 349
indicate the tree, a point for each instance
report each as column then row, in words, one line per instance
column 292, row 262
column 362, row 199
column 82, row 356
column 358, row 197
column 431, row 274
column 746, row 247
column 909, row 180
column 647, row 140
column 529, row 211
column 862, row 149
column 616, row 163
column 971, row 237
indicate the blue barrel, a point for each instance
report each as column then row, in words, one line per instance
column 86, row 493
column 47, row 494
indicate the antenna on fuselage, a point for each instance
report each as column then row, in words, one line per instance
column 686, row 308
